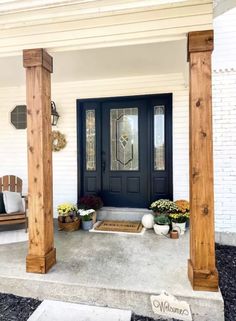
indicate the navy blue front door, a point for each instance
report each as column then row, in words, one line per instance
column 124, row 153
column 125, row 149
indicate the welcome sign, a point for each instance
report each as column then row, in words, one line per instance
column 167, row 305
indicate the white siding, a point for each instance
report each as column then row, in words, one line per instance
column 13, row 142
column 13, row 152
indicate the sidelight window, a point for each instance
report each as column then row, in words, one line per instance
column 90, row 140
column 159, row 138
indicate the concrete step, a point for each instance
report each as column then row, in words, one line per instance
column 64, row 311
column 121, row 213
column 111, row 270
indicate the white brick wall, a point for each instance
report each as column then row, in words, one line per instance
column 224, row 122
column 224, row 55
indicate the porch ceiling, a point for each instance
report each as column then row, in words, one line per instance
column 222, row 6
column 65, row 25
column 125, row 61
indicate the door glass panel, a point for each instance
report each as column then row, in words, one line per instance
column 90, row 140
column 124, row 145
column 159, row 138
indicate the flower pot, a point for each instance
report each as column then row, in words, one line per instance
column 156, row 213
column 187, row 223
column 161, row 229
column 87, row 225
column 181, row 227
column 68, row 227
column 94, row 217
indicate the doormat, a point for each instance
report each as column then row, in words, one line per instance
column 124, row 227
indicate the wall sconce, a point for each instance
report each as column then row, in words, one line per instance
column 54, row 114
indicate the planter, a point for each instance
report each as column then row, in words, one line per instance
column 87, row 225
column 181, row 227
column 155, row 213
column 161, row 229
column 188, row 223
column 94, row 217
column 69, row 227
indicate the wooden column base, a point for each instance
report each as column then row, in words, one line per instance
column 40, row 264
column 203, row 280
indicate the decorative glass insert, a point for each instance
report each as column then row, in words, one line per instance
column 90, row 140
column 124, row 139
column 159, row 138
column 18, row 117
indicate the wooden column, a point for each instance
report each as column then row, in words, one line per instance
column 41, row 253
column 201, row 265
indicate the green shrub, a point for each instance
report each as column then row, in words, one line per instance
column 162, row 220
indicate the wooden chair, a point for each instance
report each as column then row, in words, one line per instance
column 13, row 184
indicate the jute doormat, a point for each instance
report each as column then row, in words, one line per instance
column 119, row 226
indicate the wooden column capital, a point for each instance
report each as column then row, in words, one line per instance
column 37, row 58
column 200, row 41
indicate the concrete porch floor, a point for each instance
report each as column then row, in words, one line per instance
column 110, row 270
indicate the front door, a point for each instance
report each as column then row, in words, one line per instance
column 124, row 149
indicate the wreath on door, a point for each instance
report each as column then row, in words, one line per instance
column 58, row 141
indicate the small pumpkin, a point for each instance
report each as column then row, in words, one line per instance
column 148, row 221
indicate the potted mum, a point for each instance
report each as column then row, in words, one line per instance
column 162, row 224
column 90, row 202
column 163, row 206
column 178, row 221
column 87, row 219
column 183, row 207
column 68, row 219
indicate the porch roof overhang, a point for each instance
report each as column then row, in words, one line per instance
column 73, row 25
column 222, row 6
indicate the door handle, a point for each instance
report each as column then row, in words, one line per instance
column 103, row 165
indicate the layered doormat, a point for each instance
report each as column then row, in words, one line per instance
column 124, row 227
column 8, row 237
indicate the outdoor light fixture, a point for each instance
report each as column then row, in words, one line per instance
column 54, row 114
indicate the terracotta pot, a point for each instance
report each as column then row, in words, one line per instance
column 174, row 234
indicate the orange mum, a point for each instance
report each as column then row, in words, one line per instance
column 183, row 206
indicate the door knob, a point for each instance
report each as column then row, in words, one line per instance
column 103, row 165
